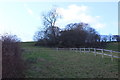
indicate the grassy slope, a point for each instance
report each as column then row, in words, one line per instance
column 115, row 46
column 47, row 63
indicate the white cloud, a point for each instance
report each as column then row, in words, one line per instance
column 28, row 9
column 78, row 14
column 72, row 12
column 99, row 25
column 97, row 16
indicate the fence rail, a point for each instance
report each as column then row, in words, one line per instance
column 94, row 50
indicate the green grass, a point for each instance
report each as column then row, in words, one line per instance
column 115, row 46
column 50, row 63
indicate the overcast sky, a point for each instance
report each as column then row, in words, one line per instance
column 24, row 18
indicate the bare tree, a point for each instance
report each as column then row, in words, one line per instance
column 50, row 18
column 49, row 22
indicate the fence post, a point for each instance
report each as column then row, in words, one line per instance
column 80, row 50
column 57, row 49
column 75, row 49
column 89, row 49
column 84, row 50
column 95, row 51
column 111, row 55
column 102, row 53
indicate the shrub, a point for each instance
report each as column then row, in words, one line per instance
column 12, row 63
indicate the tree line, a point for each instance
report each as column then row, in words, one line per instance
column 73, row 35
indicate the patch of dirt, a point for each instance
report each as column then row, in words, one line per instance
column 41, row 60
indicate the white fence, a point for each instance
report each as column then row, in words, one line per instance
column 93, row 50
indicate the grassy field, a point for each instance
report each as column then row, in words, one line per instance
column 115, row 46
column 50, row 63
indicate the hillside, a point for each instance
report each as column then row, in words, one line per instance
column 115, row 46
column 50, row 63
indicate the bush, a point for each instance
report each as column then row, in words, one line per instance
column 12, row 63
